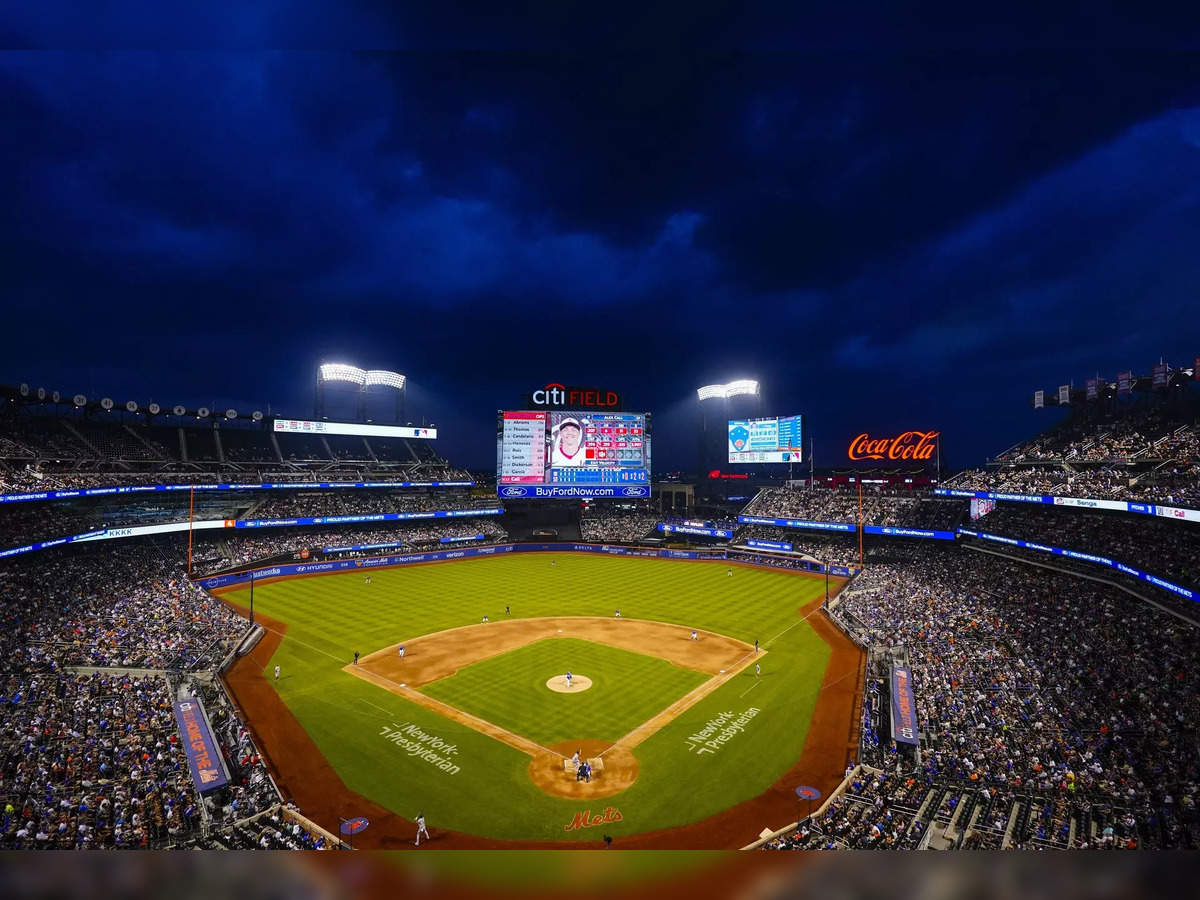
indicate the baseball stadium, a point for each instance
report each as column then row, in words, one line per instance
column 447, row 460
column 331, row 636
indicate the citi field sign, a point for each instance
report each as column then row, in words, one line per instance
column 910, row 445
column 560, row 396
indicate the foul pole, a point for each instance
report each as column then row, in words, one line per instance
column 860, row 526
column 191, row 518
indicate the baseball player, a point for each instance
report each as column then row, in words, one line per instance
column 507, row 610
column 367, row 580
column 485, row 618
column 729, row 572
column 756, row 645
column 568, row 677
column 421, row 829
column 400, row 651
column 567, row 440
column 617, row 614
column 694, row 638
column 575, row 759
column 757, row 670
column 277, row 673
column 356, row 657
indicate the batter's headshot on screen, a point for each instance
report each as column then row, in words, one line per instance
column 567, row 438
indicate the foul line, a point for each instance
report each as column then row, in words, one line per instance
column 749, row 689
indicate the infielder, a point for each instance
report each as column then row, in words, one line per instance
column 400, row 651
column 694, row 638
column 356, row 657
column 421, row 829
column 568, row 677
column 485, row 618
column 617, row 614
column 277, row 673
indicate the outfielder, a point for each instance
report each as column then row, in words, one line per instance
column 421, row 829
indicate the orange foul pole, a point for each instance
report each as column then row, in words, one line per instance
column 860, row 526
column 191, row 515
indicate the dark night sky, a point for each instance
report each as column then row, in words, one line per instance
column 889, row 233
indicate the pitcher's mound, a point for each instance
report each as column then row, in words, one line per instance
column 578, row 683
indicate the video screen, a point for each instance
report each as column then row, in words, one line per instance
column 777, row 440
column 591, row 453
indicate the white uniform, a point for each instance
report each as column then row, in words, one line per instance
column 559, row 459
column 694, row 638
column 277, row 673
column 421, row 830
column 400, row 651
column 568, row 677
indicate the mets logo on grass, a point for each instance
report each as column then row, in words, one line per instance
column 585, row 819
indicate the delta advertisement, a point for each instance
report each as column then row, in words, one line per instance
column 108, row 534
column 693, row 529
column 269, row 486
column 1145, row 509
column 1086, row 557
column 215, row 582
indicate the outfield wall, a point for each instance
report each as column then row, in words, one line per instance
column 234, row 579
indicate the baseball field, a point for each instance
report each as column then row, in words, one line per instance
column 474, row 725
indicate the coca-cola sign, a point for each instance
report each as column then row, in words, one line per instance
column 910, row 446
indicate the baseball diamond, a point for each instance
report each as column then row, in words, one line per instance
column 464, row 723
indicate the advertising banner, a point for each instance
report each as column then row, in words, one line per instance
column 567, row 492
column 1093, row 388
column 892, row 531
column 692, row 529
column 1158, row 375
column 203, row 756
column 904, row 707
column 1124, row 384
column 1064, row 394
column 798, row 523
column 769, row 545
column 1039, row 399
column 1145, row 509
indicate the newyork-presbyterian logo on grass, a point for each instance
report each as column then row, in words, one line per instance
column 585, row 819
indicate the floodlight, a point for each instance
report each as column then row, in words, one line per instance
column 342, row 372
column 385, row 378
column 732, row 389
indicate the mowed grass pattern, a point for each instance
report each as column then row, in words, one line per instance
column 329, row 617
column 510, row 690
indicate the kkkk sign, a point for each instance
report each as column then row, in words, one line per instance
column 911, row 445
column 558, row 396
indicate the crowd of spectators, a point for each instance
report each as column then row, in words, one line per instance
column 367, row 501
column 92, row 761
column 1171, row 484
column 228, row 552
column 1055, row 711
column 880, row 506
column 1129, row 434
column 618, row 525
column 130, row 607
column 1164, row 547
column 838, row 550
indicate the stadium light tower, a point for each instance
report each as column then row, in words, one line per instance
column 713, row 402
column 361, row 380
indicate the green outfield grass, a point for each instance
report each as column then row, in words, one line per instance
column 490, row 793
column 510, row 690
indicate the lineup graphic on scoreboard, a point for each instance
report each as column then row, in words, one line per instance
column 572, row 454
column 777, row 440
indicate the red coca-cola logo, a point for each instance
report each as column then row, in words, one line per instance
column 911, row 445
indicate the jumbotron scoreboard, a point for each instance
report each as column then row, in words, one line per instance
column 564, row 453
column 775, row 440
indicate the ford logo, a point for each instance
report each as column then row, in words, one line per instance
column 513, row 492
column 632, row 492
